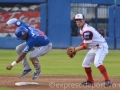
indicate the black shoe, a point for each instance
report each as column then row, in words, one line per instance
column 25, row 72
column 88, row 83
column 36, row 75
column 108, row 83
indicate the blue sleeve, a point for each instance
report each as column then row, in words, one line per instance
column 20, row 23
column 29, row 46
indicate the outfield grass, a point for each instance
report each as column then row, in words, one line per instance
column 57, row 62
column 4, row 88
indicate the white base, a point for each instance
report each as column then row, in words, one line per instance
column 26, row 83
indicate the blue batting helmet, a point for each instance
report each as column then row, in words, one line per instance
column 20, row 31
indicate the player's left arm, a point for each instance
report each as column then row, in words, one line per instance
column 87, row 36
column 9, row 22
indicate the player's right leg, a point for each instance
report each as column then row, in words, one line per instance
column 26, row 66
column 88, row 60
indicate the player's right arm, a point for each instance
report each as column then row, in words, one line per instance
column 87, row 36
column 28, row 47
column 82, row 47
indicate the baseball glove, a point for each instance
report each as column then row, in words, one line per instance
column 71, row 51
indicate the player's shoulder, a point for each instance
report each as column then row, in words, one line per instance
column 88, row 31
column 18, row 22
column 89, row 28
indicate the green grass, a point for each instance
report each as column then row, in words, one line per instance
column 57, row 62
column 3, row 88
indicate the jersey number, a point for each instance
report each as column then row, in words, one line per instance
column 33, row 34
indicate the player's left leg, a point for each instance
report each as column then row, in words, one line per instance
column 39, row 51
column 26, row 66
column 101, row 52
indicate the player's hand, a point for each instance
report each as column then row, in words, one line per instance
column 9, row 67
column 71, row 51
column 3, row 26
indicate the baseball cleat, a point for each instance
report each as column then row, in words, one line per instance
column 108, row 83
column 87, row 83
column 25, row 72
column 36, row 75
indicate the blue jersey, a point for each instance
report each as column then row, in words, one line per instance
column 36, row 38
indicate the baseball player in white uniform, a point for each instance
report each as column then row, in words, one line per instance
column 99, row 49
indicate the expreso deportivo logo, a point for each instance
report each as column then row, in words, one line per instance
column 78, row 85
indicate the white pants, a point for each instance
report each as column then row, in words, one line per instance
column 96, row 55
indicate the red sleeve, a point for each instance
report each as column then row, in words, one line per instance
column 81, row 44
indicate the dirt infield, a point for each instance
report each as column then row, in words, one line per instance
column 57, row 83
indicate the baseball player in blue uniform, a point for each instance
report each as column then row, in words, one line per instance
column 36, row 42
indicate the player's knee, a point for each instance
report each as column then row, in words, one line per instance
column 17, row 49
column 97, row 63
column 32, row 57
column 85, row 64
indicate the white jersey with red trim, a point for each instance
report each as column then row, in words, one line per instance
column 91, row 35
